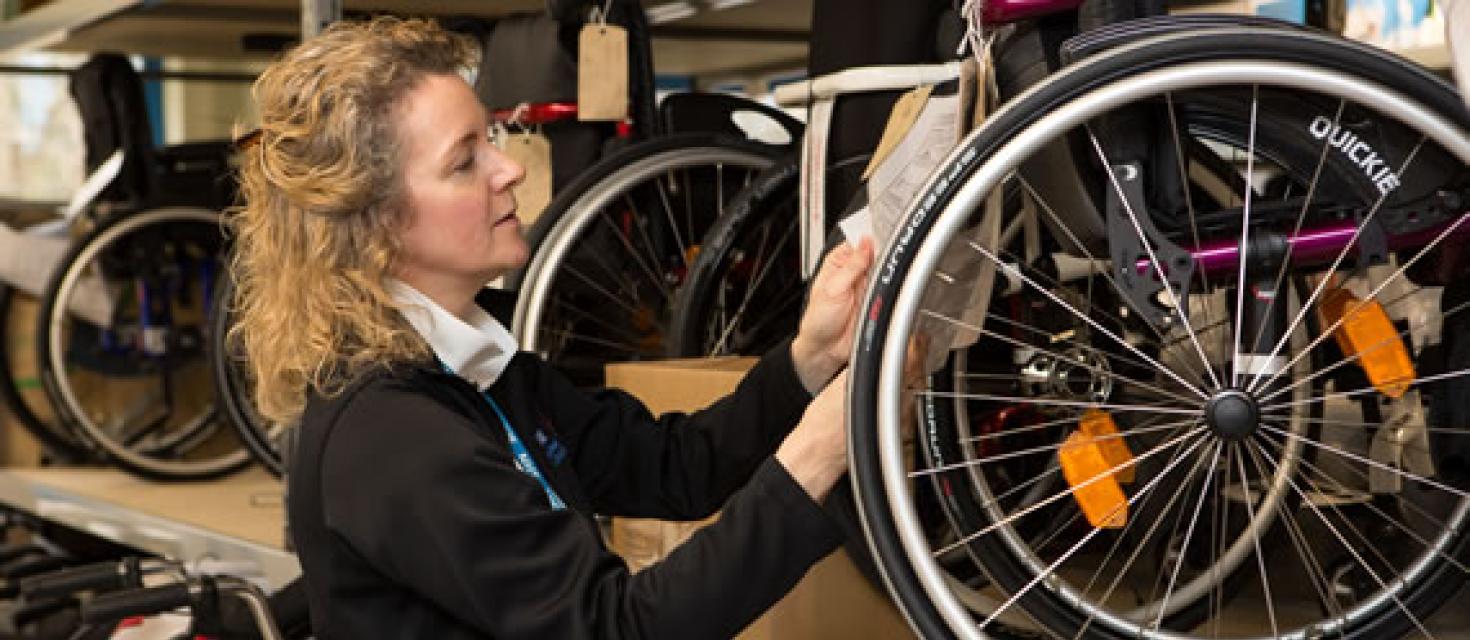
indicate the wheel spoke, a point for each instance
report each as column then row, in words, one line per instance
column 599, row 288
column 620, row 276
column 1359, row 355
column 1243, row 249
column 719, row 201
column 1217, row 593
column 772, row 315
column 1051, row 569
column 1182, row 161
column 560, row 303
column 1358, row 392
column 1044, row 277
column 725, row 321
column 1122, row 572
column 1364, row 302
column 1038, row 449
column 640, row 222
column 1090, row 367
column 1076, row 242
column 637, row 257
column 1172, row 442
column 1025, row 429
column 1188, row 535
column 1453, row 431
column 1374, row 463
column 1250, row 513
column 1022, row 345
column 1337, row 262
column 663, row 196
column 1376, row 511
column 1310, row 563
column 1401, row 525
column 1174, row 299
column 755, row 284
column 1301, row 216
column 1348, row 546
column 1163, row 369
column 1168, row 408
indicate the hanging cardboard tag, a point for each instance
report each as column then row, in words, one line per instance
column 985, row 88
column 602, row 73
column 532, row 151
column 905, row 112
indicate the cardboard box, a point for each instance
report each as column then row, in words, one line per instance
column 668, row 385
column 679, row 385
column 833, row 601
column 17, row 447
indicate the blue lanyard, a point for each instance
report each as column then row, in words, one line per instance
column 523, row 458
column 518, row 451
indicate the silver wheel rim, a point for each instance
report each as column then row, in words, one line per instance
column 999, row 165
column 54, row 334
column 541, row 273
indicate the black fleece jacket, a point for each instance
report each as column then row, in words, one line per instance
column 411, row 519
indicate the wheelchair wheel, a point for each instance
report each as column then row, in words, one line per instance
column 20, row 387
column 744, row 293
column 1181, row 398
column 124, row 352
column 612, row 249
column 266, row 440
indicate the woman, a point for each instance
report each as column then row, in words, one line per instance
column 444, row 484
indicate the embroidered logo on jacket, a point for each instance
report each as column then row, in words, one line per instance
column 556, row 452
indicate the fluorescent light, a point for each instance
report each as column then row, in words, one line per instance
column 721, row 5
column 670, row 11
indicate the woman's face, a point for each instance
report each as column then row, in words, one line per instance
column 461, row 228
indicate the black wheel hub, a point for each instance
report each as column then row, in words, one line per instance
column 1232, row 414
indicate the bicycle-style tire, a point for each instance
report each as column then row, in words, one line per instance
column 1422, row 104
column 566, row 237
column 221, row 452
column 56, row 442
column 228, row 366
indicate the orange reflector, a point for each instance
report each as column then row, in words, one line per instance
column 1369, row 335
column 1098, row 425
column 1101, row 499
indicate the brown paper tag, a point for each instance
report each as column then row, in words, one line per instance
column 532, row 151
column 905, row 112
column 602, row 73
column 985, row 81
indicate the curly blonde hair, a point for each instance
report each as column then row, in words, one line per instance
column 322, row 189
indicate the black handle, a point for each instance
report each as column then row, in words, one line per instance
column 102, row 576
column 110, row 607
column 37, row 610
column 11, row 575
column 12, row 552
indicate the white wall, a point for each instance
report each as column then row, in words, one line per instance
column 41, row 153
column 198, row 110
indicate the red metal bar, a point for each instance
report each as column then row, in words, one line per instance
column 538, row 113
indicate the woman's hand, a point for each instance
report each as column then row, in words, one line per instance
column 815, row 453
column 824, row 340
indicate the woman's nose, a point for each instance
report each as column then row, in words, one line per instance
column 508, row 172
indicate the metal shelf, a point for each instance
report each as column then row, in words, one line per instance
column 768, row 33
column 236, row 522
column 52, row 23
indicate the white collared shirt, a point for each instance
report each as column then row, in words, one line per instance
column 478, row 350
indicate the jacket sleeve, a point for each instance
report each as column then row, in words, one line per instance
column 676, row 466
column 420, row 494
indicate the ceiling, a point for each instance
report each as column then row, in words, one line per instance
column 747, row 37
